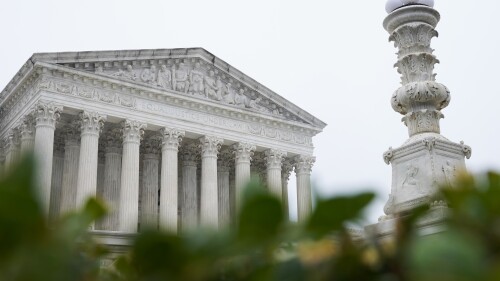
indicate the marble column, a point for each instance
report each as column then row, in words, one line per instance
column 70, row 170
column 12, row 149
column 100, row 168
column 27, row 134
column 46, row 116
column 303, row 166
column 91, row 124
column 169, row 178
column 150, row 183
column 209, row 209
column 286, row 170
column 223, row 167
column 129, row 192
column 243, row 156
column 189, row 156
column 57, row 176
column 112, row 178
column 274, row 159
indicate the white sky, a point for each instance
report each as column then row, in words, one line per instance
column 329, row 57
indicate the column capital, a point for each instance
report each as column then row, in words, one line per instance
column 189, row 153
column 47, row 113
column 151, row 145
column 72, row 132
column 304, row 164
column 13, row 139
column 210, row 145
column 91, row 122
column 225, row 160
column 27, row 127
column 286, row 168
column 171, row 138
column 133, row 131
column 113, row 138
column 243, row 151
column 274, row 158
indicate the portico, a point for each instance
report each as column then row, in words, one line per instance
column 165, row 137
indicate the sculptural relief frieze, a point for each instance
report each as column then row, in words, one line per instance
column 190, row 77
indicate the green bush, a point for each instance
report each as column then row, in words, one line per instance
column 262, row 246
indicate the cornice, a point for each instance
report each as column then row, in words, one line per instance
column 44, row 59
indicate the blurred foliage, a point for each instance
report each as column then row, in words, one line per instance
column 263, row 245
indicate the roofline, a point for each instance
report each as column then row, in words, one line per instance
column 93, row 56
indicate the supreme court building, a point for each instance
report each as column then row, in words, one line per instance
column 168, row 138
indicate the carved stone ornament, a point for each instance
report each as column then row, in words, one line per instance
column 243, row 151
column 388, row 156
column 72, row 131
column 286, row 168
column 466, row 149
column 190, row 77
column 304, row 164
column 132, row 131
column 420, row 97
column 274, row 158
column 423, row 121
column 189, row 152
column 47, row 113
column 114, row 138
column 27, row 127
column 13, row 139
column 91, row 122
column 151, row 145
column 210, row 145
column 429, row 143
column 225, row 160
column 171, row 138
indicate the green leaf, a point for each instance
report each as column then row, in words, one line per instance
column 331, row 214
column 449, row 255
column 261, row 216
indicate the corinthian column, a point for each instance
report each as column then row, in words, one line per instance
column 129, row 192
column 57, row 175
column 91, row 124
column 27, row 134
column 13, row 148
column 189, row 207
column 150, row 186
column 169, row 178
column 286, row 170
column 274, row 159
column 46, row 116
column 70, row 169
column 112, row 178
column 209, row 211
column 243, row 156
column 303, row 166
column 224, row 165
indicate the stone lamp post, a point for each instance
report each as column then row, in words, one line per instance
column 427, row 159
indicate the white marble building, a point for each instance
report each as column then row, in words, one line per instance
column 167, row 137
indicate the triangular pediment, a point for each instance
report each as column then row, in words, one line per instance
column 188, row 72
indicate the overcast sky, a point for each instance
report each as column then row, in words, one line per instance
column 331, row 58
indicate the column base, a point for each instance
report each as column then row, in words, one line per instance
column 431, row 223
column 419, row 167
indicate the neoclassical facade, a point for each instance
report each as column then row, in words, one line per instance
column 168, row 138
